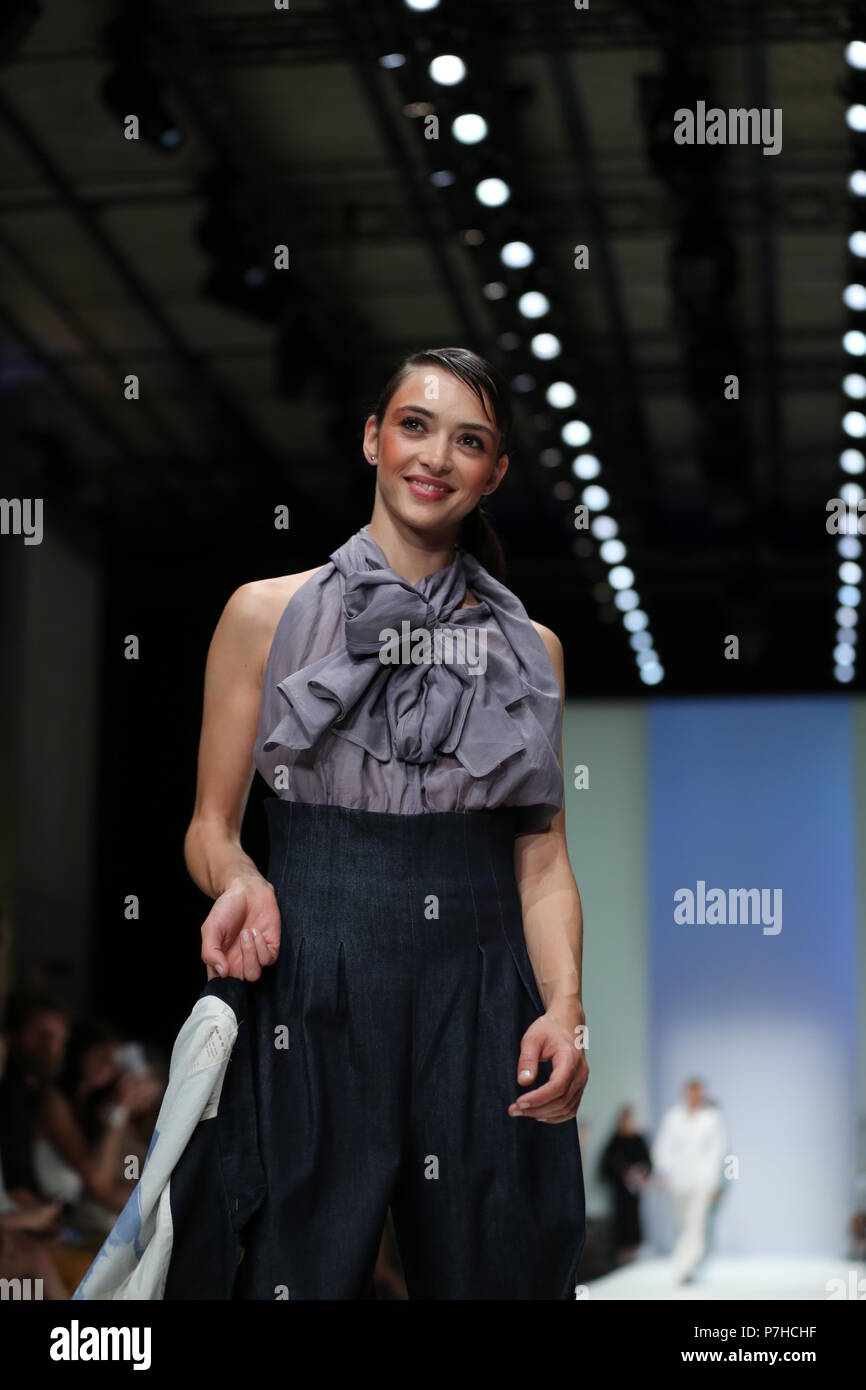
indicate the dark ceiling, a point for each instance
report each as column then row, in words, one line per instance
column 119, row 257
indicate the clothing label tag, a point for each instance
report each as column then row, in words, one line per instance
column 215, row 1048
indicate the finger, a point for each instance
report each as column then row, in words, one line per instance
column 212, row 951
column 262, row 921
column 527, row 1067
column 556, row 1085
column 552, row 1113
column 236, row 961
column 251, row 967
column 261, row 947
column 214, row 959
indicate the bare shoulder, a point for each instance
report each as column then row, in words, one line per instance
column 554, row 649
column 251, row 614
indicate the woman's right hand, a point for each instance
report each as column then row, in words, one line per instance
column 241, row 933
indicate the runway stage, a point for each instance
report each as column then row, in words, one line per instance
column 789, row 1277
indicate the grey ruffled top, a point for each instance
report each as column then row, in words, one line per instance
column 339, row 726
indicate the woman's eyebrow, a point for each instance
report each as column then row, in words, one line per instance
column 431, row 414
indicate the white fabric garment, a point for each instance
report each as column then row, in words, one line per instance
column 692, row 1208
column 689, row 1150
column 57, row 1179
column 134, row 1259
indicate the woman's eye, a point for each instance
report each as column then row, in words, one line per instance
column 414, row 420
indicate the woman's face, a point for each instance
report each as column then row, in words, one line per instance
column 434, row 429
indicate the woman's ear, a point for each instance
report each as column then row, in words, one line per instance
column 501, row 470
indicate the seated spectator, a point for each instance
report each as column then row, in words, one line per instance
column 94, row 1127
column 36, row 1030
column 22, row 1256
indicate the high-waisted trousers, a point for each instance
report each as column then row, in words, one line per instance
column 385, row 1041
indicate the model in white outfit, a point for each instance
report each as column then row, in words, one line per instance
column 689, row 1153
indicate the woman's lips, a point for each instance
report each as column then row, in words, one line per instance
column 428, row 494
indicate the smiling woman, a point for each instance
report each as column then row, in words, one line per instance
column 417, row 937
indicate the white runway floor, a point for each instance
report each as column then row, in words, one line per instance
column 786, row 1277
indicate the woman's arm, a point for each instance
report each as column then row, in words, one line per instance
column 99, row 1171
column 230, row 713
column 552, row 914
column 553, row 927
column 242, row 931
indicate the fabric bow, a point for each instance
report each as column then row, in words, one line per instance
column 411, row 711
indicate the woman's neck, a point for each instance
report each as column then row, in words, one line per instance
column 410, row 556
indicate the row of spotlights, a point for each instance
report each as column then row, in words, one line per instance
column 852, row 460
column 469, row 128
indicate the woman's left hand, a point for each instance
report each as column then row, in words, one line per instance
column 553, row 1037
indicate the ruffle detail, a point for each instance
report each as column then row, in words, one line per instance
column 410, row 711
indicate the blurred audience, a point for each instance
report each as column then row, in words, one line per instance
column 77, row 1111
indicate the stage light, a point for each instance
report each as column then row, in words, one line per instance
column 650, row 657
column 843, row 673
column 849, row 547
column 854, row 423
column 492, row 192
column 855, row 117
column 852, row 461
column 447, row 69
column 533, row 304
column 846, row 634
column 846, row 617
column 576, row 433
column 855, row 296
column 850, row 572
column 620, row 577
column 626, row 599
column 392, row 60
column 854, row 385
column 560, row 394
column 854, row 342
column 857, row 183
column 844, row 654
column 651, row 675
column 604, row 528
column 469, row 128
column 851, row 494
column 612, row 552
column 586, row 466
column 517, row 255
column 848, row 596
column 545, row 346
column 855, row 54
column 636, row 622
column 496, row 289
column 595, row 497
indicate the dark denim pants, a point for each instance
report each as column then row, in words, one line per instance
column 382, row 1058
